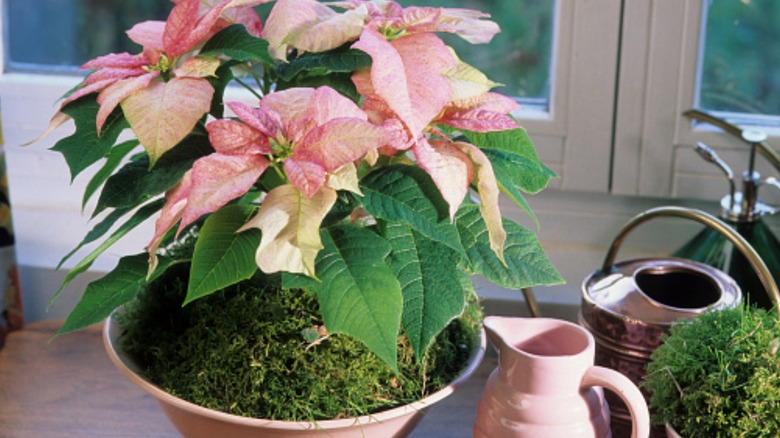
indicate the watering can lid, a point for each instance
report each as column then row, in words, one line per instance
column 658, row 290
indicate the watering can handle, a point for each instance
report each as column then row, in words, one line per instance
column 711, row 221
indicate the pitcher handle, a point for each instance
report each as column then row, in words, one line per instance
column 628, row 392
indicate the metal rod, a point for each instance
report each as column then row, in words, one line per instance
column 754, row 138
column 530, row 301
column 711, row 221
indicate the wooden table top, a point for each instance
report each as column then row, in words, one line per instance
column 68, row 388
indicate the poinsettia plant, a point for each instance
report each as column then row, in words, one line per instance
column 366, row 166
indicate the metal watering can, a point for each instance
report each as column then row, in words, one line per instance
column 628, row 305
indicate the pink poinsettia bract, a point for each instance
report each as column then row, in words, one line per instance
column 154, row 86
column 307, row 134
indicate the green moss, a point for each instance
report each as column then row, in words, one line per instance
column 719, row 376
column 263, row 352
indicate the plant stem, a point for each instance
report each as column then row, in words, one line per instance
column 251, row 90
column 261, row 84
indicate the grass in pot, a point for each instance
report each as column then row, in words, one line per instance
column 261, row 351
column 719, row 375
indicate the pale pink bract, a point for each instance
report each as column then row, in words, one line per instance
column 313, row 132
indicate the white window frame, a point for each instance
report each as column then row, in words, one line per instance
column 575, row 137
column 658, row 79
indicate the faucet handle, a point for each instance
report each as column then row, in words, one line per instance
column 706, row 152
column 711, row 156
column 754, row 136
column 774, row 182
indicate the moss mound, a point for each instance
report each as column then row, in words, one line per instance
column 263, row 352
column 719, row 375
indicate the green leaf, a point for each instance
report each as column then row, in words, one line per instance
column 113, row 159
column 429, row 273
column 116, row 288
column 359, row 294
column 345, row 205
column 223, row 77
column 526, row 263
column 407, row 194
column 515, row 163
column 235, row 42
column 341, row 82
column 140, row 216
column 222, row 256
column 84, row 147
column 135, row 183
column 298, row 281
column 324, row 63
column 518, row 146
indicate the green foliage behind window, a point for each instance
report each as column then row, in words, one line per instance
column 520, row 57
column 66, row 33
column 78, row 30
column 741, row 63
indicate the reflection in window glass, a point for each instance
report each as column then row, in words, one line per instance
column 520, row 57
column 66, row 33
column 740, row 65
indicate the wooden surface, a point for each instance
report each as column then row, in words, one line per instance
column 68, row 388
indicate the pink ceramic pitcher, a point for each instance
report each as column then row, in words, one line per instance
column 547, row 386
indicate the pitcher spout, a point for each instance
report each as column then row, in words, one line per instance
column 536, row 354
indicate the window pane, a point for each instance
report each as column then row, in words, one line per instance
column 520, row 57
column 740, row 66
column 62, row 34
column 67, row 33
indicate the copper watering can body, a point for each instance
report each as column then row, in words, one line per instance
column 628, row 305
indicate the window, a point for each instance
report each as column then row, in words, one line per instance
column 679, row 55
column 520, row 57
column 735, row 74
column 603, row 98
column 63, row 34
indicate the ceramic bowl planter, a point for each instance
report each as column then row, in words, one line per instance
column 670, row 432
column 195, row 421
